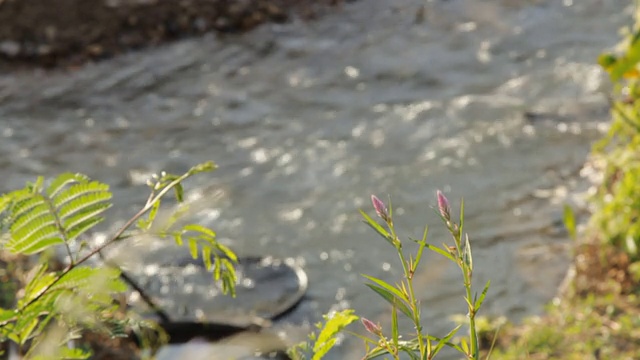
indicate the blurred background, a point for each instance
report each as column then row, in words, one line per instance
column 308, row 114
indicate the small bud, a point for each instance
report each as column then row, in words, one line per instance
column 381, row 208
column 443, row 206
column 371, row 327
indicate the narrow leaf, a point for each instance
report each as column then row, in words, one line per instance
column 388, row 287
column 440, row 251
column 377, row 227
column 394, row 325
column 390, row 299
column 445, row 340
column 570, row 221
column 193, row 248
column 480, row 300
column 199, row 229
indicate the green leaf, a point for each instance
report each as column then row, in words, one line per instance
column 445, row 340
column 627, row 62
column 27, row 328
column 440, row 251
column 377, row 227
column 467, row 256
column 388, row 287
column 193, row 248
column 421, row 245
column 179, row 191
column 199, row 229
column 395, row 336
column 332, row 327
column 153, row 212
column 40, row 280
column 68, row 198
column 68, row 208
column 62, row 180
column 391, row 299
column 202, row 167
column 65, row 353
column 409, row 351
column 206, row 257
column 227, row 252
column 480, row 300
column 178, row 239
column 570, row 221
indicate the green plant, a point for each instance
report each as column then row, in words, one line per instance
column 617, row 155
column 402, row 297
column 41, row 217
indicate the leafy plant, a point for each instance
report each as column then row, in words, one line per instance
column 617, row 156
column 44, row 216
column 402, row 297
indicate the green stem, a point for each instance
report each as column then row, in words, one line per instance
column 415, row 306
column 466, row 273
column 472, row 316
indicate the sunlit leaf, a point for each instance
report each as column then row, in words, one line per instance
column 570, row 221
column 480, row 300
column 440, row 251
column 397, row 293
column 390, row 298
column 332, row 327
column 442, row 342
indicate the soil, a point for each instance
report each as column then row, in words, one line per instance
column 68, row 33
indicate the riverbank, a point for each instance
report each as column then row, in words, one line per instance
column 92, row 30
column 597, row 316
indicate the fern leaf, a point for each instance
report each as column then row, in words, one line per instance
column 78, row 190
column 40, row 235
column 62, row 180
column 24, row 203
column 38, row 219
column 5, row 201
column 40, row 211
column 39, row 281
column 82, row 227
column 94, row 279
column 89, row 210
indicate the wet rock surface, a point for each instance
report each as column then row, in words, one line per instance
column 67, row 33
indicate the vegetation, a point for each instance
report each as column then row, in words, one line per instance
column 599, row 315
column 420, row 344
column 45, row 217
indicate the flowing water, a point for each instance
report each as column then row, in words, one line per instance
column 495, row 102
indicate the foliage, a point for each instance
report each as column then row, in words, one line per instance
column 326, row 339
column 43, row 217
column 617, row 156
column 597, row 326
column 599, row 317
column 403, row 300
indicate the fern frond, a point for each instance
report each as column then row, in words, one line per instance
column 65, row 199
column 62, row 180
column 215, row 255
column 39, row 219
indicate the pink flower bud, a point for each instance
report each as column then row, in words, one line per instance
column 371, row 327
column 443, row 206
column 381, row 208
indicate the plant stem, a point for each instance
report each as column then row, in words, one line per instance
column 472, row 317
column 415, row 306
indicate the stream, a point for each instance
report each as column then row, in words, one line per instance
column 496, row 102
